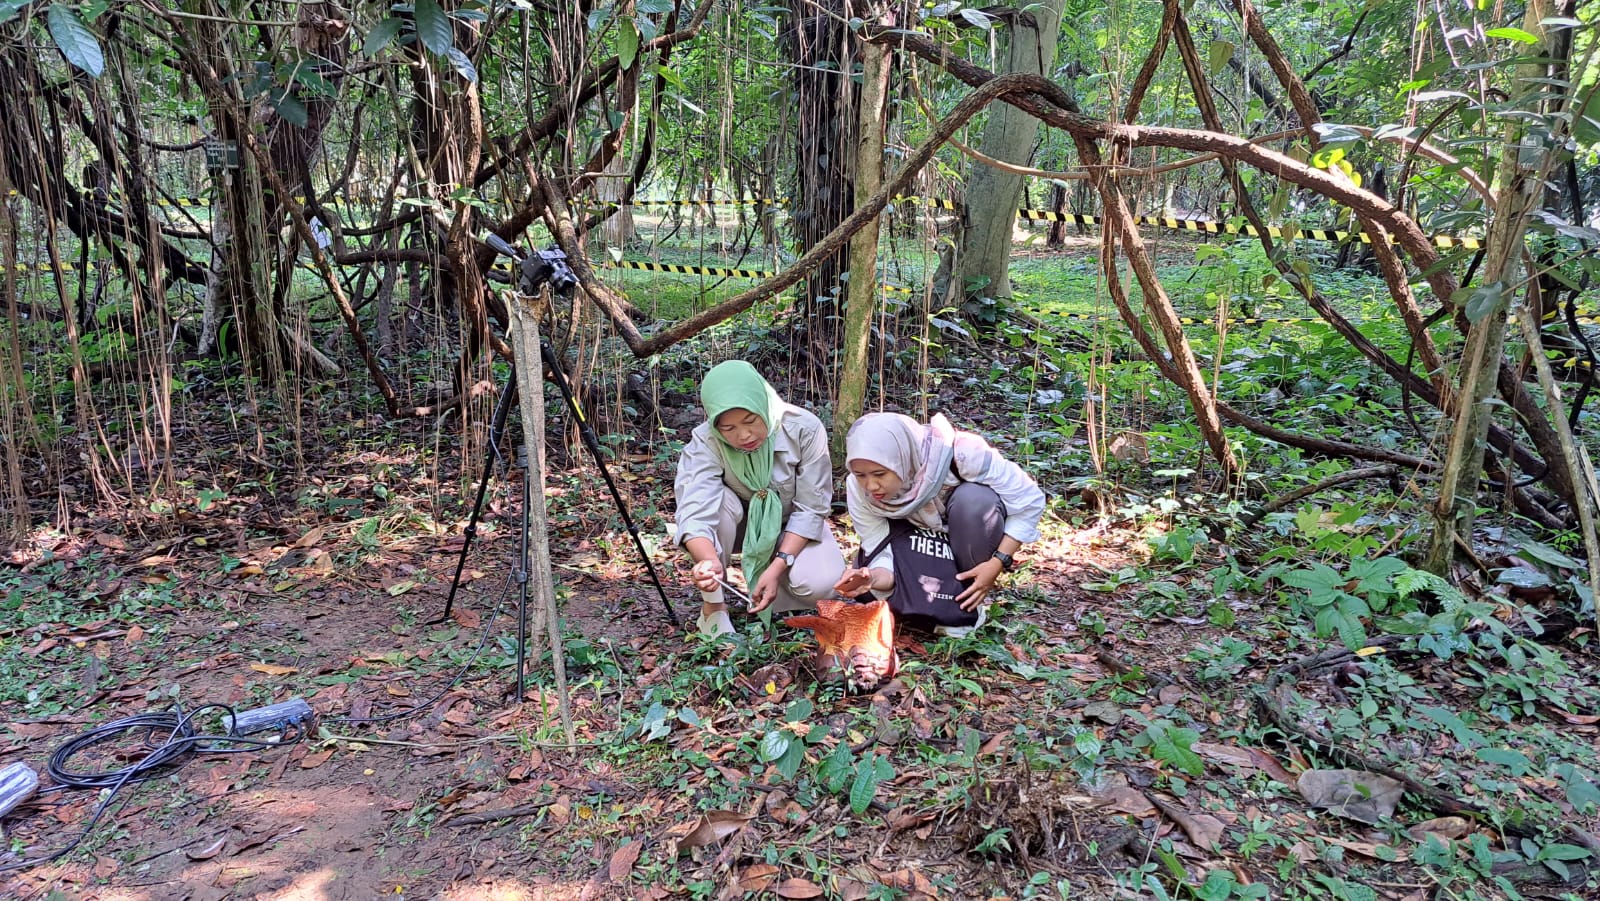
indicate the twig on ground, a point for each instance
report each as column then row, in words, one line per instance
column 493, row 816
column 1338, row 478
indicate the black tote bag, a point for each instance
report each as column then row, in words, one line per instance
column 925, row 583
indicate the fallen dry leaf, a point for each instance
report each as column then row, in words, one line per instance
column 273, row 669
column 757, row 878
column 41, row 647
column 993, row 745
column 908, row 821
column 1444, row 827
column 852, row 890
column 911, row 881
column 1203, row 829
column 1125, row 799
column 1353, row 794
column 622, row 861
column 312, row 761
column 798, row 887
column 1228, row 754
column 107, row 540
column 1270, row 765
column 311, row 538
column 135, row 635
column 713, row 827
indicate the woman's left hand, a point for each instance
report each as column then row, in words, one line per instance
column 766, row 590
column 983, row 577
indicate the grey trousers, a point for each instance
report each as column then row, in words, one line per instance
column 976, row 518
column 816, row 569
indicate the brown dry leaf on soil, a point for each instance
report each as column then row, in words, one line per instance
column 108, row 540
column 1117, row 795
column 910, row 881
column 1247, row 760
column 757, row 878
column 1444, row 827
column 622, row 861
column 1203, row 829
column 1353, row 794
column 273, row 669
column 714, row 826
column 852, row 889
column 798, row 887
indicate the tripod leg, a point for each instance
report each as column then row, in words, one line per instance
column 522, row 581
column 497, row 427
column 592, row 442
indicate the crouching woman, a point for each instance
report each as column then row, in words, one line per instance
column 755, row 478
column 940, row 514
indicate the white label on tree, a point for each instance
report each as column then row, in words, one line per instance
column 321, row 233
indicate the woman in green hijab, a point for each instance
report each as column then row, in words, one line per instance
column 755, row 477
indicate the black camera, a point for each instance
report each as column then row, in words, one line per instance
column 547, row 266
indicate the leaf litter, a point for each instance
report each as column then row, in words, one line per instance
column 931, row 789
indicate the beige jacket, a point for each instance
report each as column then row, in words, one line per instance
column 802, row 474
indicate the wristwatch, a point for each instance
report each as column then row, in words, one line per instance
column 1006, row 560
column 785, row 556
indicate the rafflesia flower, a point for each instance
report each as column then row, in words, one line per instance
column 854, row 641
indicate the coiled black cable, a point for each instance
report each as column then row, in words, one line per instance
column 171, row 737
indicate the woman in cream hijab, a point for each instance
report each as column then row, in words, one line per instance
column 755, row 477
column 921, row 494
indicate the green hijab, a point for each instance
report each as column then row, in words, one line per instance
column 735, row 385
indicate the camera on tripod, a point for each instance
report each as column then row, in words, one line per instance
column 538, row 268
column 547, row 266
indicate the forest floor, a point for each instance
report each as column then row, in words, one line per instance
column 1139, row 721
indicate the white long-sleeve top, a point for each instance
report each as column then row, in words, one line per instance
column 802, row 474
column 1023, row 497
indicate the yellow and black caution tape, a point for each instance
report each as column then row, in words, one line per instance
column 1201, row 226
column 688, row 270
column 1207, row 226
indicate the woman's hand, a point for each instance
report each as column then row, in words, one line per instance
column 854, row 582
column 983, row 577
column 766, row 590
column 707, row 574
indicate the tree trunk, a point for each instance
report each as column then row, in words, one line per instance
column 981, row 258
column 863, row 287
column 825, row 102
column 16, row 417
column 1455, row 509
column 619, row 227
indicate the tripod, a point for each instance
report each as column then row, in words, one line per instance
column 546, row 266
